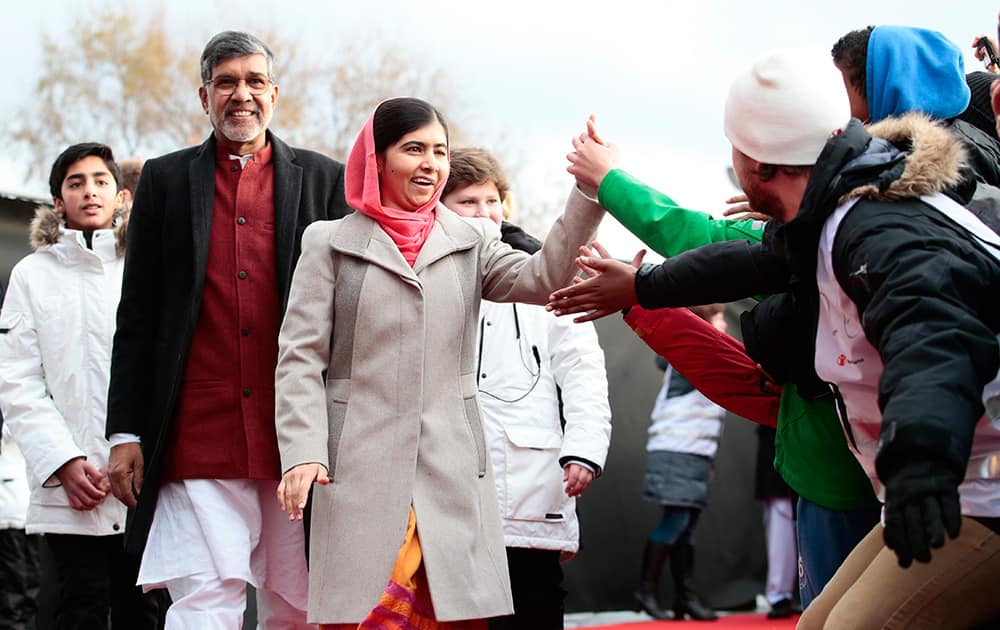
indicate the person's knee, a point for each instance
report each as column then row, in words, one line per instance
column 811, row 619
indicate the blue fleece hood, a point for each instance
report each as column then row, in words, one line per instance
column 914, row 70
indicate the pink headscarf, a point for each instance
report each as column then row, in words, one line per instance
column 409, row 230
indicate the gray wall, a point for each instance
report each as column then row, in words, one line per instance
column 15, row 215
column 615, row 520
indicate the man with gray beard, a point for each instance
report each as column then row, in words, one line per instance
column 213, row 242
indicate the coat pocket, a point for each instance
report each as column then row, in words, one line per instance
column 532, row 478
column 338, row 390
column 470, row 401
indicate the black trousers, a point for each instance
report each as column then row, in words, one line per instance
column 95, row 581
column 20, row 579
column 536, row 581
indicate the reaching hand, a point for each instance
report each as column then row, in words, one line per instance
column 921, row 505
column 610, row 287
column 592, row 130
column 83, row 484
column 293, row 491
column 592, row 158
column 577, row 478
column 742, row 209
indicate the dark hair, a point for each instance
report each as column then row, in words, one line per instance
column 399, row 116
column 850, row 54
column 470, row 166
column 229, row 44
column 74, row 154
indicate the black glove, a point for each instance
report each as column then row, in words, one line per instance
column 921, row 504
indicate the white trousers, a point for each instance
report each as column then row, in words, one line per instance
column 782, row 559
column 212, row 537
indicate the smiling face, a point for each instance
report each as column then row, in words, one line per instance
column 89, row 195
column 412, row 169
column 477, row 200
column 240, row 119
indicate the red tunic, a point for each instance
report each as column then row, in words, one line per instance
column 224, row 423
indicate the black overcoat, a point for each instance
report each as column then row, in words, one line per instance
column 164, row 277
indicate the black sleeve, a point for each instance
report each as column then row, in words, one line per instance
column 337, row 206
column 926, row 295
column 780, row 335
column 717, row 272
column 137, row 322
column 517, row 238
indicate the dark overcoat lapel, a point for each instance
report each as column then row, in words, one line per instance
column 201, row 172
column 287, row 194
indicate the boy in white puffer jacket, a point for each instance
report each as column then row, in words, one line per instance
column 543, row 391
column 56, row 331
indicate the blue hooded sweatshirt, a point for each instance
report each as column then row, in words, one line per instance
column 914, row 70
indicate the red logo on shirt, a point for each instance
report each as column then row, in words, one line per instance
column 841, row 360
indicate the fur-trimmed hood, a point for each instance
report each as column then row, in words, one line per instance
column 934, row 161
column 47, row 225
column 897, row 158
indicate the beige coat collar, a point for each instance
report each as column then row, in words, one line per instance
column 361, row 236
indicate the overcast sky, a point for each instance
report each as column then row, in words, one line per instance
column 654, row 72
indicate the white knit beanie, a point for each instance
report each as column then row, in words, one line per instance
column 785, row 107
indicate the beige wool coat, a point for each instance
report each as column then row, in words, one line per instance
column 376, row 381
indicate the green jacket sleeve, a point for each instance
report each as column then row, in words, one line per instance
column 663, row 225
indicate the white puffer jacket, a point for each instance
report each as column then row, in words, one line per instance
column 522, row 361
column 56, row 331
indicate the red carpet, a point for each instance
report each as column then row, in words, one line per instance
column 757, row 621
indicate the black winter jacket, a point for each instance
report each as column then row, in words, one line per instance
column 925, row 289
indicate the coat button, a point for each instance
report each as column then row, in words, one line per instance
column 234, row 168
column 483, row 375
column 242, row 275
column 245, row 332
column 241, row 220
column 116, row 527
column 246, row 392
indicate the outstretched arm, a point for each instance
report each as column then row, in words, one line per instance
column 655, row 218
column 715, row 363
column 718, row 272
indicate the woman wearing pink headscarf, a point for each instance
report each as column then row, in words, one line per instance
column 376, row 385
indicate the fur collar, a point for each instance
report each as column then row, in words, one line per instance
column 46, row 228
column 934, row 162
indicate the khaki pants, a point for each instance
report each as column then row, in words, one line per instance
column 957, row 589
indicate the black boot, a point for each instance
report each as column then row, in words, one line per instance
column 687, row 601
column 653, row 559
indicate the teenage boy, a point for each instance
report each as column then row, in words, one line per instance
column 56, row 330
column 542, row 459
